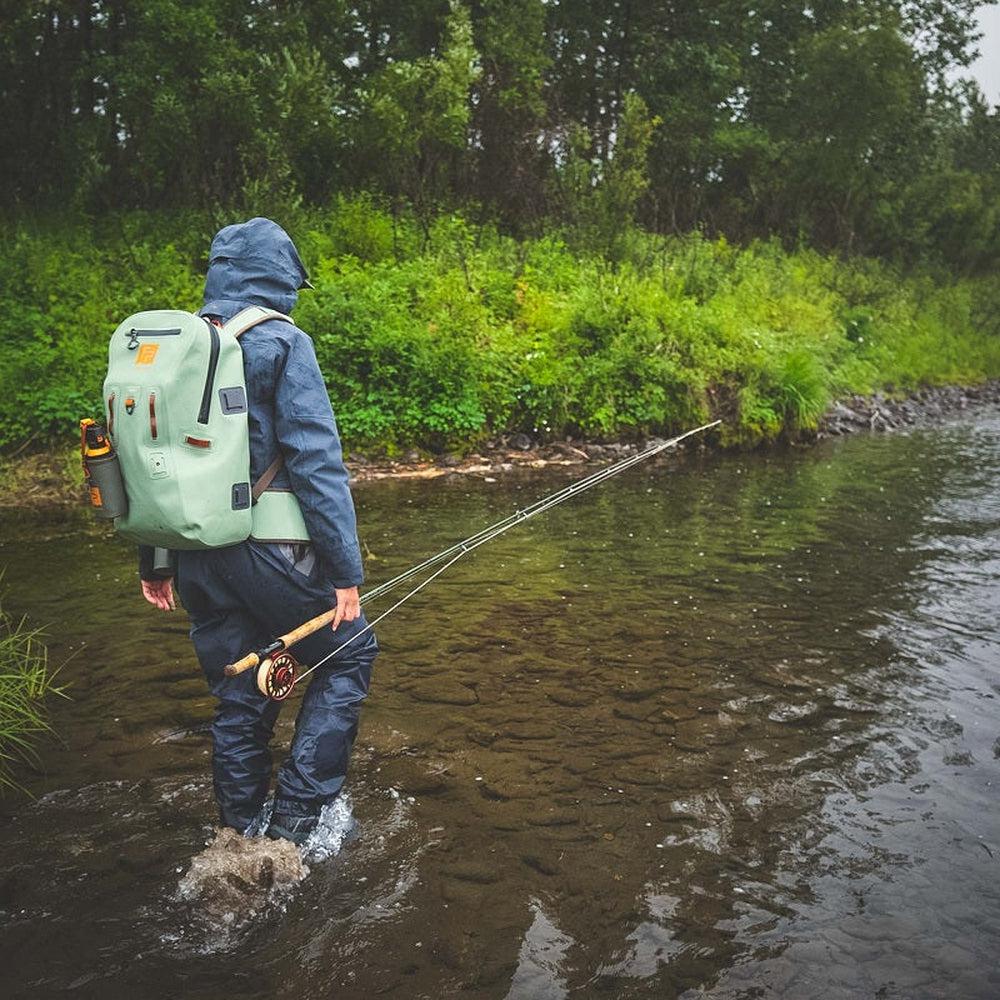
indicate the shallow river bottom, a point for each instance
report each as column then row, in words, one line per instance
column 726, row 728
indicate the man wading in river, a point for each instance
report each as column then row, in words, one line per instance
column 242, row 595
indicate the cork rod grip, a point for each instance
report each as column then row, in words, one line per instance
column 288, row 640
column 249, row 661
column 307, row 628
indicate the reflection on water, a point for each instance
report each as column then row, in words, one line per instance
column 540, row 960
column 723, row 728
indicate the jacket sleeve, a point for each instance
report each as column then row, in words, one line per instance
column 307, row 435
column 147, row 570
column 146, row 563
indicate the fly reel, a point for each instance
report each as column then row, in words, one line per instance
column 276, row 676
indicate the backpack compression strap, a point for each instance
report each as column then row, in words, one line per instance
column 238, row 325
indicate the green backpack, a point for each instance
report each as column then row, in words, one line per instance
column 176, row 406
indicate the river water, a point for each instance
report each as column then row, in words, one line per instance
column 728, row 726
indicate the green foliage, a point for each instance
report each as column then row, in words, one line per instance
column 63, row 293
column 25, row 681
column 415, row 115
column 437, row 333
column 790, row 391
column 600, row 198
column 847, row 126
column 402, row 144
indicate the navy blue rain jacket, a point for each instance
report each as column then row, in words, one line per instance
column 256, row 263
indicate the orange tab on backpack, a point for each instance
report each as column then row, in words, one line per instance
column 147, row 354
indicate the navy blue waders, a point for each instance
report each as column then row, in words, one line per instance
column 238, row 599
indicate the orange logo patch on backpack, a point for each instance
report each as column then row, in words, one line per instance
column 147, row 354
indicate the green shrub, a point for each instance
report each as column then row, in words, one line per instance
column 436, row 333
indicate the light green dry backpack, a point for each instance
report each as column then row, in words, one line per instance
column 176, row 405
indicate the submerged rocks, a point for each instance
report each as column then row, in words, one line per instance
column 438, row 690
column 471, row 871
column 571, row 697
column 413, row 776
column 786, row 712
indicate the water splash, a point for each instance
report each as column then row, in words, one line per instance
column 236, row 877
column 336, row 827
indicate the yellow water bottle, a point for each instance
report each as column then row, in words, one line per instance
column 102, row 471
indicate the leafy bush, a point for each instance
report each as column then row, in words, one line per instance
column 438, row 334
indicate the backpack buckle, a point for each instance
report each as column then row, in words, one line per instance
column 133, row 341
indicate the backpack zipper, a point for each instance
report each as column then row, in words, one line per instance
column 134, row 335
column 213, row 363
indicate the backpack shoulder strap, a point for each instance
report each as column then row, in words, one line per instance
column 250, row 317
column 238, row 325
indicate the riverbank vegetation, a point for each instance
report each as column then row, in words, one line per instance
column 25, row 680
column 438, row 339
column 602, row 219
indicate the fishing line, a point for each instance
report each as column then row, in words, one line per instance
column 544, row 503
column 455, row 552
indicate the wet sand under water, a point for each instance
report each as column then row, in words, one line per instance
column 727, row 727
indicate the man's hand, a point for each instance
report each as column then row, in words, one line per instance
column 159, row 593
column 348, row 606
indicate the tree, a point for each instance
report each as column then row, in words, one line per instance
column 414, row 117
column 510, row 126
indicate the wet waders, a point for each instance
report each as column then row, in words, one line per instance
column 252, row 591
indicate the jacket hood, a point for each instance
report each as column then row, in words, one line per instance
column 252, row 263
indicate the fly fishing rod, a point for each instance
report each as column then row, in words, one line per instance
column 277, row 668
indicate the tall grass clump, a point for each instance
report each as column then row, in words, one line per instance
column 25, row 680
